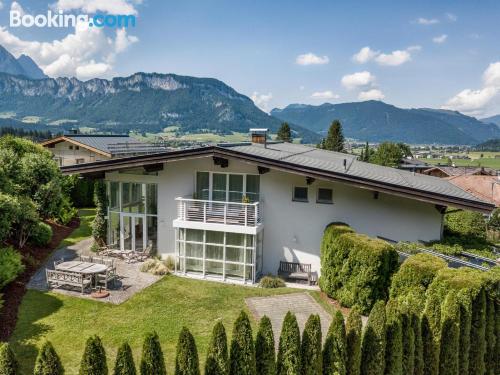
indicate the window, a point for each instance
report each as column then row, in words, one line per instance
column 80, row 161
column 300, row 194
column 71, row 147
column 324, row 196
column 227, row 187
column 77, row 147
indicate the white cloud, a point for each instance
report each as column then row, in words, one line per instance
column 394, row 58
column 440, row 39
column 358, row 80
column 451, row 17
column 16, row 7
column 92, row 6
column 311, row 59
column 427, row 21
column 262, row 100
column 372, row 94
column 364, row 55
column 324, row 95
column 491, row 76
column 1, row 5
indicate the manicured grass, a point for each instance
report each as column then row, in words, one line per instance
column 167, row 306
column 86, row 216
column 484, row 162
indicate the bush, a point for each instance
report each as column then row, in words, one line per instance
column 265, row 356
column 242, row 356
column 271, row 282
column 449, row 345
column 8, row 362
column 353, row 340
column 408, row 343
column 94, row 358
column 356, row 269
column 418, row 368
column 429, row 348
column 11, row 265
column 217, row 362
column 311, row 346
column 152, row 361
column 186, row 359
column 477, row 334
column 393, row 342
column 81, row 191
column 490, row 361
column 48, row 362
column 9, row 208
column 124, row 364
column 289, row 359
column 41, row 234
column 335, row 351
column 465, row 224
column 66, row 211
column 373, row 343
column 155, row 267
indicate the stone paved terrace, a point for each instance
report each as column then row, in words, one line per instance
column 276, row 307
column 131, row 280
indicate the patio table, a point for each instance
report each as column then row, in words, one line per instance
column 85, row 268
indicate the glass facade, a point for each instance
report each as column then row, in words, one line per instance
column 227, row 187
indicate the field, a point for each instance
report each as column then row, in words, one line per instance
column 480, row 162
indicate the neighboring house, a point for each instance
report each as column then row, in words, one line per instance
column 449, row 171
column 483, row 187
column 234, row 211
column 84, row 148
column 413, row 165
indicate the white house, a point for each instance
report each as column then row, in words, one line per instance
column 233, row 211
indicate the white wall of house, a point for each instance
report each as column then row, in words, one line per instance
column 293, row 230
column 70, row 156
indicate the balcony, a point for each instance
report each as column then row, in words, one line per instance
column 216, row 215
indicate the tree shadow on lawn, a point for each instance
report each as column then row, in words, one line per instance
column 29, row 329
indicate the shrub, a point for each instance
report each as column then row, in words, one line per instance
column 353, row 340
column 373, row 343
column 11, row 265
column 155, row 267
column 271, row 282
column 448, row 356
column 217, row 362
column 186, row 359
column 152, row 362
column 94, row 358
column 477, row 334
column 8, row 362
column 124, row 364
column 394, row 342
column 48, row 362
column 9, row 208
column 356, row 269
column 289, row 359
column 242, row 355
column 490, row 361
column 429, row 348
column 311, row 346
column 66, row 211
column 408, row 343
column 265, row 356
column 41, row 234
column 26, row 221
column 99, row 223
column 335, row 351
column 418, row 368
column 465, row 224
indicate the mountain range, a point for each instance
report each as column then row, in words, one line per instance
column 492, row 120
column 23, row 65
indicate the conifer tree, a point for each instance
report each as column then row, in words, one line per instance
column 94, row 358
column 8, row 362
column 394, row 342
column 418, row 368
column 408, row 343
column 335, row 354
column 477, row 334
column 429, row 348
column 311, row 346
column 217, row 362
column 373, row 342
column 265, row 356
column 289, row 358
column 353, row 338
column 334, row 140
column 490, row 359
column 284, row 133
column 186, row 359
column 450, row 322
column 152, row 361
column 48, row 362
column 242, row 354
column 124, row 364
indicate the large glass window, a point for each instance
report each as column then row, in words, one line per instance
column 114, row 230
column 152, row 199
column 228, row 187
column 253, row 187
column 133, row 197
column 219, row 187
column 114, row 196
column 202, row 185
column 236, row 188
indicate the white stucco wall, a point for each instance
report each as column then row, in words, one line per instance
column 69, row 156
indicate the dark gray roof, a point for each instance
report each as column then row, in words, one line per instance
column 116, row 144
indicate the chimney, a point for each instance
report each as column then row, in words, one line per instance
column 259, row 135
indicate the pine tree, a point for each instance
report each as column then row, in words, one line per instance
column 186, row 359
column 242, row 355
column 8, row 362
column 265, row 356
column 152, row 361
column 353, row 338
column 284, row 133
column 450, row 322
column 217, row 362
column 367, row 152
column 477, row 334
column 335, row 353
column 334, row 140
column 373, row 342
column 124, row 364
column 48, row 362
column 311, row 346
column 289, row 360
column 418, row 368
column 429, row 350
column 94, row 358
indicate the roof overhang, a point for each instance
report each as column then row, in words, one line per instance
column 211, row 151
column 63, row 138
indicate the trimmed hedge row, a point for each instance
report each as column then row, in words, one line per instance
column 355, row 269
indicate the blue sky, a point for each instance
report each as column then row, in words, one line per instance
column 411, row 54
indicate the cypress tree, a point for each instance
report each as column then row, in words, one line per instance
column 464, row 340
column 186, row 359
column 477, row 334
column 335, row 351
column 48, row 362
column 354, row 328
column 489, row 358
column 124, row 364
column 311, row 346
column 217, row 362
column 373, row 342
column 408, row 343
column 450, row 322
column 394, row 342
column 418, row 368
column 289, row 359
column 429, row 350
column 284, row 133
column 8, row 362
column 152, row 361
column 94, row 358
column 265, row 356
column 242, row 356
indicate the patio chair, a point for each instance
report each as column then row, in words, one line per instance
column 141, row 256
column 85, row 258
column 109, row 276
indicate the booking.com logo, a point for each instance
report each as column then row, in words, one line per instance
column 59, row 19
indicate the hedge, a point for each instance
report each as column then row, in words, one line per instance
column 242, row 355
column 356, row 269
column 48, row 362
column 265, row 356
column 217, row 362
column 373, row 343
column 465, row 224
column 289, row 353
column 393, row 342
column 311, row 346
column 152, row 361
column 335, row 351
column 450, row 336
column 186, row 359
column 429, row 348
column 8, row 362
column 353, row 341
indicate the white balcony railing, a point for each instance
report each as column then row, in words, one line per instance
column 229, row 213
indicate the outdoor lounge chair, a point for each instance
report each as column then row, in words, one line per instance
column 141, row 256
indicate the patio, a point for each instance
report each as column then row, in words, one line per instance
column 130, row 279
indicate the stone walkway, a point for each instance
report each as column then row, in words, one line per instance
column 276, row 307
column 131, row 279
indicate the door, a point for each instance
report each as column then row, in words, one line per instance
column 133, row 232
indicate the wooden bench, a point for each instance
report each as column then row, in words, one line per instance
column 60, row 278
column 293, row 270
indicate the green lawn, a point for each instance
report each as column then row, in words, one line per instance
column 484, row 162
column 86, row 216
column 166, row 306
